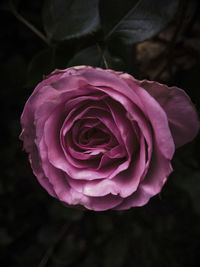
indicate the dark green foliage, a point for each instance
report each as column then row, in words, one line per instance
column 135, row 21
column 88, row 56
column 66, row 19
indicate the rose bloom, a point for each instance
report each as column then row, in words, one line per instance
column 102, row 139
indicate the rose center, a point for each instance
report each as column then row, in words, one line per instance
column 93, row 137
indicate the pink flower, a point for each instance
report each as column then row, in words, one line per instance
column 102, row 139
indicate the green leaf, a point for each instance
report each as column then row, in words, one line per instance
column 88, row 56
column 94, row 56
column 134, row 21
column 123, row 57
column 114, row 62
column 67, row 19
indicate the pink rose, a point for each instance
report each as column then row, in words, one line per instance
column 102, row 139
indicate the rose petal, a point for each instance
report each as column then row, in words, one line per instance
column 160, row 169
column 38, row 172
column 104, row 203
column 123, row 184
column 158, row 120
column 183, row 120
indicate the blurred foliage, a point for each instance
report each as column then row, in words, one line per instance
column 64, row 20
column 37, row 230
column 135, row 20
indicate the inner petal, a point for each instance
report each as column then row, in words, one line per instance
column 93, row 137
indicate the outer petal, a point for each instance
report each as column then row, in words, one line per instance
column 103, row 203
column 39, row 173
column 182, row 116
column 156, row 177
column 156, row 116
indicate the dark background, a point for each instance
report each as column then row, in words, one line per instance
column 37, row 230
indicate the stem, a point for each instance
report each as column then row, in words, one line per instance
column 29, row 25
column 102, row 55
